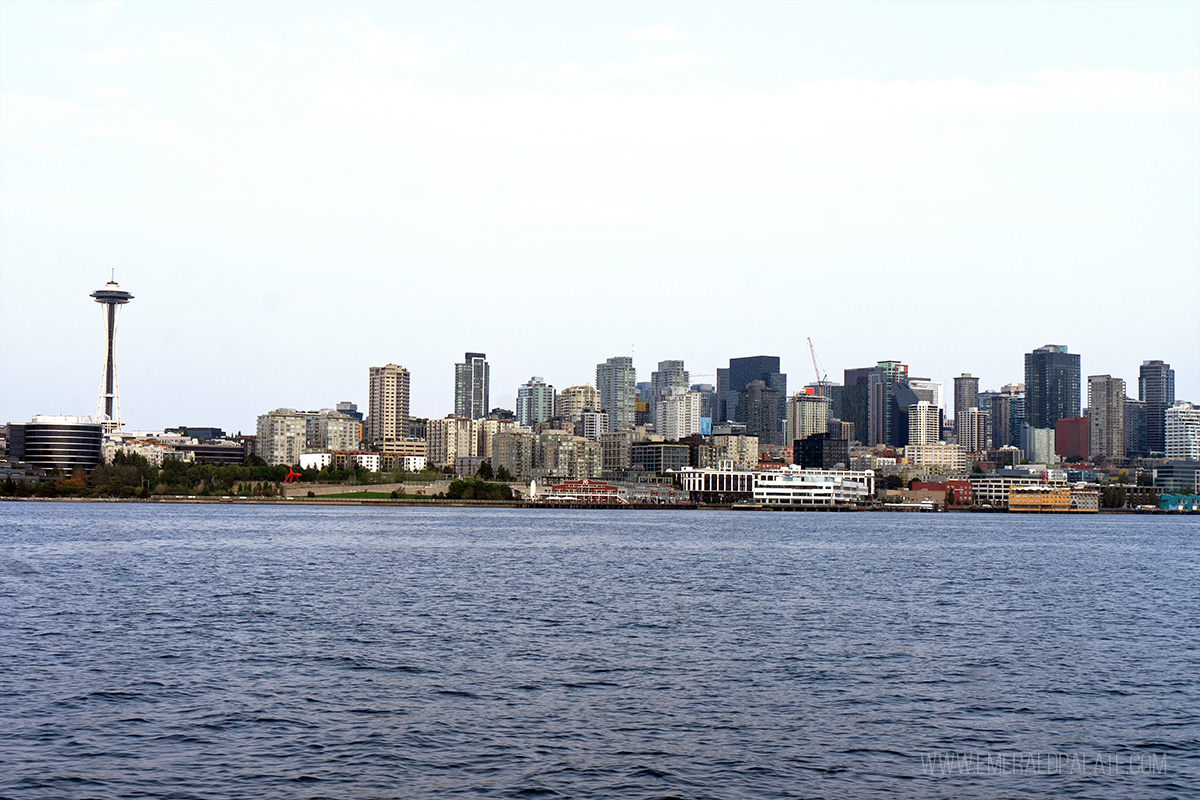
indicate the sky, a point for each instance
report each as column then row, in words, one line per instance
column 295, row 192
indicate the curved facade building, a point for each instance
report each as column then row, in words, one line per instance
column 48, row 442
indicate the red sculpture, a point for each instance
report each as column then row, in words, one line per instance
column 293, row 476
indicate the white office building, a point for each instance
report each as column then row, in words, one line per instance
column 1183, row 431
column 677, row 415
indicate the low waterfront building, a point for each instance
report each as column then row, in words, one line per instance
column 1085, row 498
column 814, row 487
column 993, row 489
column 581, row 491
column 960, row 488
column 1178, row 476
column 790, row 485
column 56, row 442
column 1039, row 498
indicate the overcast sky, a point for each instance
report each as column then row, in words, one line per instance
column 295, row 192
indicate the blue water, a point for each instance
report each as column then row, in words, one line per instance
column 255, row 652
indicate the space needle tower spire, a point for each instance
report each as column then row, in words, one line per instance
column 108, row 406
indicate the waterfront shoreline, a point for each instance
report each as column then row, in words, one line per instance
column 525, row 504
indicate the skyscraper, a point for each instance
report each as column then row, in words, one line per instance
column 740, row 374
column 924, row 423
column 885, row 408
column 851, row 401
column 387, row 404
column 758, row 407
column 108, row 406
column 669, row 375
column 1106, row 405
column 677, row 415
column 966, row 395
column 471, row 381
column 1156, row 388
column 535, row 402
column 972, row 435
column 574, row 400
column 807, row 415
column 616, row 380
column 1052, row 386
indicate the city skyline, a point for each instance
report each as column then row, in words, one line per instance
column 257, row 179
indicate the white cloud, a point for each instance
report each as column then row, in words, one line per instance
column 657, row 33
column 574, row 73
column 35, row 123
column 111, row 55
column 176, row 44
column 588, row 158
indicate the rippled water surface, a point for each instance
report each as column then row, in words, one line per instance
column 255, row 652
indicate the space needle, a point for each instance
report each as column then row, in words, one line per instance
column 108, row 406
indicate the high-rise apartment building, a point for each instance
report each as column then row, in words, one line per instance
column 1052, row 386
column 574, row 400
column 535, row 402
column 616, row 380
column 708, row 401
column 592, row 425
column 1136, row 443
column 966, row 395
column 1183, row 432
column 924, row 423
column 972, row 436
column 387, row 404
column 669, row 375
column 1106, row 407
column 677, row 414
column 1156, row 388
column 451, row 438
column 807, row 414
column 472, row 379
column 281, row 436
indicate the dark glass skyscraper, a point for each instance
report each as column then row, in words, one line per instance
column 472, row 379
column 741, row 373
column 1052, row 386
column 1156, row 388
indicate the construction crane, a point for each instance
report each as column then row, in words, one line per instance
column 816, row 368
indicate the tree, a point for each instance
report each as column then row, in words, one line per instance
column 504, row 475
column 950, row 497
column 485, row 471
column 894, row 482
